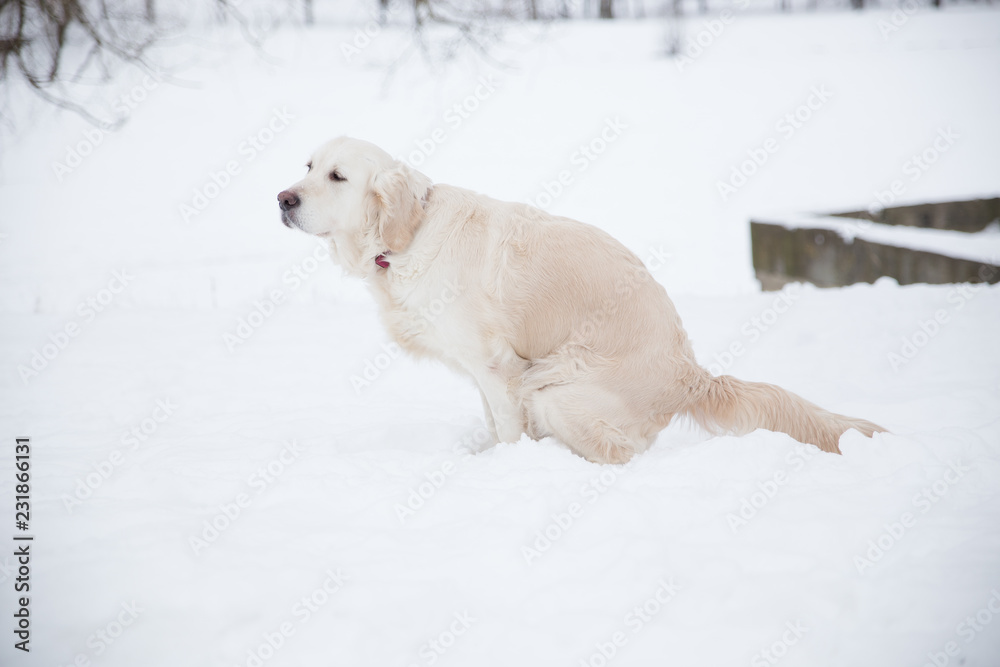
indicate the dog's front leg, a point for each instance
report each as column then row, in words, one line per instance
column 502, row 413
column 499, row 383
column 488, row 416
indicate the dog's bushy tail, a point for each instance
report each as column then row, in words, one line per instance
column 730, row 405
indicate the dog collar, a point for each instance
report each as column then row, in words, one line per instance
column 382, row 261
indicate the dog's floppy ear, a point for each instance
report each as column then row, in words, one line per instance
column 395, row 205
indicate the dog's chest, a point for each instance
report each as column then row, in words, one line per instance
column 427, row 318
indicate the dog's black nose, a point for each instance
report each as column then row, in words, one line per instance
column 287, row 200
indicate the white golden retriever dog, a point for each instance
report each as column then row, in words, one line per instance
column 561, row 327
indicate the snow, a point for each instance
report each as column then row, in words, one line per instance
column 886, row 555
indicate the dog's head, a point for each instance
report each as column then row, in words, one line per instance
column 360, row 199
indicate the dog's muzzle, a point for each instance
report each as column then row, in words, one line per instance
column 288, row 201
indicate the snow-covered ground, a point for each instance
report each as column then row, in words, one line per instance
column 229, row 467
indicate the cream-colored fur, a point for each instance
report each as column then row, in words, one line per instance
column 561, row 327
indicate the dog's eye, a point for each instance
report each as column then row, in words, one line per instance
column 335, row 176
column 309, row 166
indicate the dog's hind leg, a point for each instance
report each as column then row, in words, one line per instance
column 585, row 417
